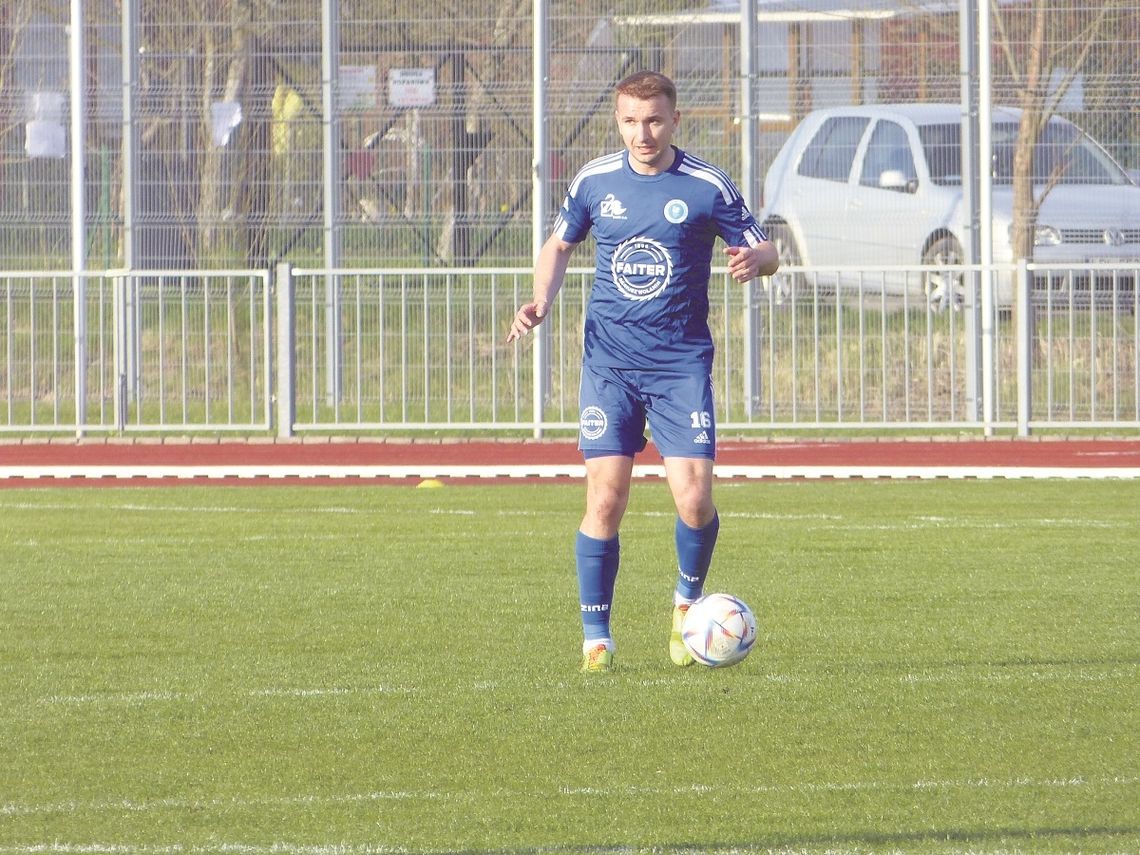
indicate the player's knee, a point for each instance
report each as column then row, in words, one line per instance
column 605, row 506
column 695, row 507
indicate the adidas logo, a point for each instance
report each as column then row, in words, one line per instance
column 702, row 438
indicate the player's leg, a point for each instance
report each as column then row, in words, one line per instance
column 611, row 432
column 684, row 430
column 695, row 534
column 607, row 495
column 597, row 553
column 690, row 482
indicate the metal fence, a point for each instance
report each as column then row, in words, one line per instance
column 407, row 160
column 842, row 348
column 363, row 133
column 414, row 350
column 116, row 351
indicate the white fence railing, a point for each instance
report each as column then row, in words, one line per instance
column 423, row 349
column 129, row 351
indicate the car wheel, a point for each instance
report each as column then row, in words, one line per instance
column 781, row 283
column 944, row 289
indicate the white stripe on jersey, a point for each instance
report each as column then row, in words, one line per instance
column 697, row 168
column 560, row 226
column 597, row 166
column 754, row 235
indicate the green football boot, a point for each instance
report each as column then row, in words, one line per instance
column 677, row 650
column 598, row 658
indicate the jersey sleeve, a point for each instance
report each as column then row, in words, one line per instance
column 735, row 223
column 573, row 222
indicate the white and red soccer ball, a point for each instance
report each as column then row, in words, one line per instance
column 719, row 630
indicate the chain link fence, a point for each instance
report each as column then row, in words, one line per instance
column 241, row 133
column 174, row 142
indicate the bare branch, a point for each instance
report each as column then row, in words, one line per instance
column 1004, row 41
column 1087, row 38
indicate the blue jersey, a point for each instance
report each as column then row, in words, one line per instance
column 649, row 304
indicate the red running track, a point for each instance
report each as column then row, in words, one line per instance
column 886, row 452
column 22, row 463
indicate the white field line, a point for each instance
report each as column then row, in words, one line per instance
column 24, row 505
column 282, row 848
column 991, row 525
column 830, row 522
column 979, row 783
column 744, row 515
column 981, row 672
column 58, row 848
column 196, row 805
column 568, row 470
column 965, row 674
column 837, row 520
column 137, row 698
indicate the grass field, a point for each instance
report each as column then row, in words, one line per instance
column 946, row 666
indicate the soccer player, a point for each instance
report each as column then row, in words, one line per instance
column 655, row 212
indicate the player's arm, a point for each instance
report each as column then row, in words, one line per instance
column 750, row 253
column 549, row 272
column 747, row 262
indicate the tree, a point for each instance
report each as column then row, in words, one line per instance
column 1057, row 49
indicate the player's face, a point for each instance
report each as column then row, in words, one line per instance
column 647, row 130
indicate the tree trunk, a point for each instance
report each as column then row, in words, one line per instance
column 1025, row 206
column 252, row 195
column 212, row 187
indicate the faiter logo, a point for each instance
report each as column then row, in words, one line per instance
column 592, row 423
column 612, row 207
column 641, row 268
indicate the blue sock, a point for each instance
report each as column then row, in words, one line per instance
column 694, row 555
column 597, row 572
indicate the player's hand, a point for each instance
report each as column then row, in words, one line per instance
column 529, row 316
column 748, row 262
column 743, row 263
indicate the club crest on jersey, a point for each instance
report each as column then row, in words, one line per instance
column 612, row 207
column 592, row 422
column 676, row 211
column 641, row 268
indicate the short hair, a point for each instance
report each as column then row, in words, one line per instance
column 645, row 85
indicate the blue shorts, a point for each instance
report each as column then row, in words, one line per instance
column 616, row 404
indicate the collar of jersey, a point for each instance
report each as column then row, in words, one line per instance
column 678, row 155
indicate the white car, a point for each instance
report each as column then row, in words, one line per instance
column 879, row 185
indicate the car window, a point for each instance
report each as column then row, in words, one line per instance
column 1062, row 152
column 942, row 145
column 888, row 149
column 830, row 153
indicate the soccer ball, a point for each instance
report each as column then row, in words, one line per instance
column 719, row 630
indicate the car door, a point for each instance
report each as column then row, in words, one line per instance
column 815, row 196
column 887, row 216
